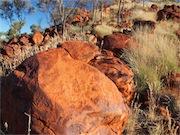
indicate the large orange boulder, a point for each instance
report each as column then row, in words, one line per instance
column 62, row 96
column 117, row 42
column 82, row 51
column 117, row 71
column 38, row 38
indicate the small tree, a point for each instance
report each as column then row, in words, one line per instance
column 101, row 4
column 15, row 11
column 57, row 12
column 35, row 27
column 2, row 38
column 120, row 10
column 82, row 4
column 6, row 11
column 14, row 29
column 47, row 7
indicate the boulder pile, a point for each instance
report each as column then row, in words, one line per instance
column 169, row 12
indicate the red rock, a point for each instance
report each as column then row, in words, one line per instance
column 16, row 48
column 118, row 41
column 24, row 40
column 68, row 25
column 10, row 49
column 82, row 51
column 117, row 71
column 38, row 38
column 81, row 15
column 127, row 14
column 161, row 15
column 62, row 96
column 12, row 41
column 77, row 18
column 142, row 23
column 168, row 8
column 46, row 40
column 154, row 8
column 169, row 12
column 126, row 24
column 54, row 30
column 48, row 30
column 173, row 80
column 176, row 8
column 6, row 50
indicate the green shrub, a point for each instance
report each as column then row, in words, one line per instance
column 104, row 30
column 154, row 57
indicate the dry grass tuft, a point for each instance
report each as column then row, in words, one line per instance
column 9, row 64
column 104, row 30
column 147, row 120
column 155, row 57
column 143, row 15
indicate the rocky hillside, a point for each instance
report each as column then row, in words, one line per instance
column 109, row 78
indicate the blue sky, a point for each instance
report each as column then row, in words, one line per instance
column 30, row 19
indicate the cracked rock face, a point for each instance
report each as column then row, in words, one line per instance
column 62, row 96
column 82, row 51
column 117, row 71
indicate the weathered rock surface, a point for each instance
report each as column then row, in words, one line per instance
column 154, row 8
column 12, row 41
column 169, row 12
column 117, row 71
column 173, row 80
column 82, row 51
column 117, row 42
column 54, row 30
column 24, row 40
column 37, row 38
column 63, row 96
column 82, row 17
column 6, row 50
column 143, row 23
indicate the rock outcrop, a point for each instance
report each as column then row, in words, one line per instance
column 138, row 24
column 117, row 42
column 82, row 17
column 62, row 96
column 169, row 12
column 117, row 71
column 37, row 38
column 24, row 40
column 54, row 30
column 154, row 8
